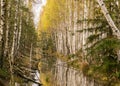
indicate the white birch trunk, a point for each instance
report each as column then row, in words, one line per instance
column 84, row 26
column 114, row 28
column 74, row 26
column 20, row 28
column 13, row 47
column 1, row 20
column 31, row 50
column 70, row 25
column 7, row 30
column 1, row 30
column 19, row 34
column 109, row 19
column 4, row 31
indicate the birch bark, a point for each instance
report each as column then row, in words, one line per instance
column 4, row 31
column 13, row 46
column 1, row 21
column 1, row 29
column 109, row 19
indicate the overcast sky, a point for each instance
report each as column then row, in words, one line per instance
column 37, row 8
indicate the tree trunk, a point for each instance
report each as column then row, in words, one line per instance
column 109, row 19
column 12, row 54
column 1, row 21
column 4, row 31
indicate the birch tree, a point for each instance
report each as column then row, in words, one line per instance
column 17, row 35
column 4, row 29
column 109, row 19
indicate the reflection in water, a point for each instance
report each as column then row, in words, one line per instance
column 37, row 79
column 37, row 75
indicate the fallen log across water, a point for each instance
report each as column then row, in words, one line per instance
column 29, row 79
column 21, row 74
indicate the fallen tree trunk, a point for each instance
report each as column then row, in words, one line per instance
column 29, row 79
column 21, row 74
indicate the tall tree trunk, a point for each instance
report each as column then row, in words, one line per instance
column 31, row 50
column 1, row 31
column 109, row 19
column 6, row 49
column 19, row 28
column 4, row 30
column 12, row 54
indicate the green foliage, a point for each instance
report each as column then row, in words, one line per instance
column 52, row 14
column 102, row 54
column 108, row 72
column 93, row 37
column 18, row 20
column 105, row 47
column 47, row 79
column 71, row 56
column 4, row 74
column 48, row 51
column 24, row 8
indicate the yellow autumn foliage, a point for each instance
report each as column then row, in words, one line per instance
column 52, row 15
